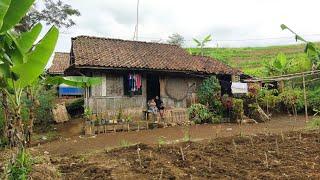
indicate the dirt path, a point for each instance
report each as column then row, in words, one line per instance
column 76, row 145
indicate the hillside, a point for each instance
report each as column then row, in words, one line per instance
column 251, row 59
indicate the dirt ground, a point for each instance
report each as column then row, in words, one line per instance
column 293, row 155
column 279, row 149
column 70, row 141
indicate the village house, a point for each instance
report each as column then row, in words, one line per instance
column 134, row 72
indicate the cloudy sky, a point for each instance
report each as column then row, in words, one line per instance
column 232, row 23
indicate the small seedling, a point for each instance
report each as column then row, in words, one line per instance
column 124, row 143
column 186, row 135
column 161, row 141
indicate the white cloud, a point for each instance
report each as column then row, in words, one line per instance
column 232, row 23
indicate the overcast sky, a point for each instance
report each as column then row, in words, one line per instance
column 232, row 23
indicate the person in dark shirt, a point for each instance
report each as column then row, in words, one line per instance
column 159, row 104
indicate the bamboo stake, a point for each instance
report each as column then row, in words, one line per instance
column 277, row 146
column 266, row 156
column 139, row 157
column 182, row 154
column 305, row 97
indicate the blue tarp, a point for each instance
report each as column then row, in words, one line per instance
column 70, row 91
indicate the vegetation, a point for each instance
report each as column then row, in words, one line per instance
column 52, row 12
column 22, row 62
column 314, row 123
column 269, row 100
column 199, row 114
column 202, row 43
column 20, row 167
column 176, row 39
column 252, row 60
column 209, row 94
column 238, row 111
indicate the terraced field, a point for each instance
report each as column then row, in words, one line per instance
column 251, row 59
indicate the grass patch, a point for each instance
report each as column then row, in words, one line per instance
column 314, row 124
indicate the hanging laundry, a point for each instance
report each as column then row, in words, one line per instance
column 134, row 82
column 138, row 81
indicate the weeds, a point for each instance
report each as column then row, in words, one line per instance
column 20, row 166
column 161, row 141
column 186, row 135
column 314, row 124
column 124, row 143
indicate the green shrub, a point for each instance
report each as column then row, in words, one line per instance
column 292, row 99
column 199, row 113
column 269, row 99
column 314, row 99
column 20, row 167
column 209, row 93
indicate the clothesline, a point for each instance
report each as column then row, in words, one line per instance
column 284, row 77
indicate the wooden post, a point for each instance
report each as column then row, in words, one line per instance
column 305, row 97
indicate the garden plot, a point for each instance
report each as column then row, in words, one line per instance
column 293, row 155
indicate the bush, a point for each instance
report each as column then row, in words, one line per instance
column 292, row 99
column 314, row 99
column 43, row 113
column 269, row 99
column 209, row 94
column 199, row 113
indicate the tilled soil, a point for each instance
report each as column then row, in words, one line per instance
column 293, row 155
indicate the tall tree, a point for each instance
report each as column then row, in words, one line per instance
column 176, row 39
column 51, row 12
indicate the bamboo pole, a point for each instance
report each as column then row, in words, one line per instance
column 305, row 97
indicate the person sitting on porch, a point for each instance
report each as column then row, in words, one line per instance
column 159, row 104
column 152, row 106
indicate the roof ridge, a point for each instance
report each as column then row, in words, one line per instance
column 123, row 40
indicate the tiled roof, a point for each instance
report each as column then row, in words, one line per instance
column 115, row 53
column 61, row 62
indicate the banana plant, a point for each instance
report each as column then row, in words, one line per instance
column 22, row 60
column 202, row 43
column 312, row 51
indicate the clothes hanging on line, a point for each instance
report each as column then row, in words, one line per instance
column 134, row 82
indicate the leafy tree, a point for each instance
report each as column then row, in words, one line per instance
column 54, row 12
column 176, row 39
column 202, row 43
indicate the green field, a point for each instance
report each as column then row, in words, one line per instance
column 251, row 59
